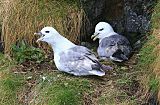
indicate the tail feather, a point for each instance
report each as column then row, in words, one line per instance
column 118, row 56
column 99, row 73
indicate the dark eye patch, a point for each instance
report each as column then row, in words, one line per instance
column 101, row 29
column 46, row 31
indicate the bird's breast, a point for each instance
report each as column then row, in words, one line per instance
column 56, row 60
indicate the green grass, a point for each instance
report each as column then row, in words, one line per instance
column 62, row 89
column 59, row 89
column 141, row 74
column 155, row 16
column 153, row 84
column 10, row 86
column 146, row 54
column 65, row 93
column 10, row 83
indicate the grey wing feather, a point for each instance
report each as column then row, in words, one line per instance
column 109, row 45
column 79, row 61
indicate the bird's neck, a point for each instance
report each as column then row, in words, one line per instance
column 107, row 35
column 61, row 44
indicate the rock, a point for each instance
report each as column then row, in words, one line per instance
column 137, row 14
column 94, row 10
column 128, row 17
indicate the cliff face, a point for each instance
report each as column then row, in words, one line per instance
column 128, row 17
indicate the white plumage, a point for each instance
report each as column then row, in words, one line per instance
column 111, row 45
column 71, row 58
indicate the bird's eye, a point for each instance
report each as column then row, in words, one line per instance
column 101, row 29
column 46, row 31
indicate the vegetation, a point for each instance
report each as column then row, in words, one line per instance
column 35, row 80
column 24, row 53
column 10, row 84
column 20, row 23
column 52, row 87
column 155, row 16
column 145, row 64
column 62, row 91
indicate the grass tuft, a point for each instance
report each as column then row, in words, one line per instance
column 20, row 23
column 153, row 84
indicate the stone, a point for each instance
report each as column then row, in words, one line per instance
column 128, row 17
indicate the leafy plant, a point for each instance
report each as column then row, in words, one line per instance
column 23, row 53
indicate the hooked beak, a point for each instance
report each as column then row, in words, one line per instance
column 94, row 36
column 40, row 34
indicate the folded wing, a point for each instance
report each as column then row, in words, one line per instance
column 116, row 47
column 80, row 61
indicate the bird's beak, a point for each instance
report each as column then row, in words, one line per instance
column 40, row 39
column 40, row 34
column 94, row 36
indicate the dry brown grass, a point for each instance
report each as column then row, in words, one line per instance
column 156, row 64
column 21, row 18
column 156, row 32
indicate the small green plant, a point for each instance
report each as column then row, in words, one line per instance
column 153, row 84
column 22, row 53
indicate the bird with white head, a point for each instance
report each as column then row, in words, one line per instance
column 102, row 30
column 111, row 45
column 71, row 58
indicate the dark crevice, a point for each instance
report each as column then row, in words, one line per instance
column 130, row 18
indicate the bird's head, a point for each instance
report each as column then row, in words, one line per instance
column 47, row 34
column 102, row 30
